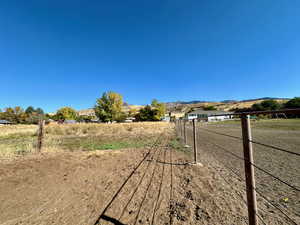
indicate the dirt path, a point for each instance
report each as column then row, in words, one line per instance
column 75, row 188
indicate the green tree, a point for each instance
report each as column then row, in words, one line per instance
column 293, row 103
column 39, row 111
column 159, row 109
column 66, row 113
column 155, row 112
column 270, row 105
column 14, row 115
column 209, row 107
column 29, row 110
column 266, row 105
column 145, row 114
column 108, row 108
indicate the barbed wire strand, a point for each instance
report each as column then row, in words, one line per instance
column 226, row 135
column 240, row 195
column 258, row 192
column 255, row 142
column 275, row 148
column 257, row 167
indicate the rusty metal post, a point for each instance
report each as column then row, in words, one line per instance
column 40, row 135
column 184, row 132
column 249, row 170
column 195, row 140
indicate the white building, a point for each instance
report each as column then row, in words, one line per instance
column 209, row 116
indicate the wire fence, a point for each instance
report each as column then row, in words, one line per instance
column 274, row 189
column 276, row 169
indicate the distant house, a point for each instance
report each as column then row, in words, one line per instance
column 176, row 114
column 209, row 116
column 5, row 122
column 87, row 112
column 70, row 122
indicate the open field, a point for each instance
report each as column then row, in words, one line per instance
column 283, row 133
column 74, row 187
column 19, row 140
column 74, row 182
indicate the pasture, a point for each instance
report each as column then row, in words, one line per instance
column 88, row 173
column 222, row 143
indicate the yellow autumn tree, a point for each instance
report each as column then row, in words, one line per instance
column 108, row 108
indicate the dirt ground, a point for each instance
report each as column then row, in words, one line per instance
column 214, row 151
column 76, row 187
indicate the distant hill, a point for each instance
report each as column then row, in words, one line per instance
column 186, row 106
column 225, row 105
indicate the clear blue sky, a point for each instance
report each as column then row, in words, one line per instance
column 57, row 53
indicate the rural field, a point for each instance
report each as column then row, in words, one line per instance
column 217, row 142
column 139, row 173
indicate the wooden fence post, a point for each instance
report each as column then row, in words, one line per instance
column 181, row 129
column 195, row 140
column 40, row 135
column 184, row 132
column 249, row 170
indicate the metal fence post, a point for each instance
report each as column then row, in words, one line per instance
column 195, row 140
column 40, row 135
column 249, row 170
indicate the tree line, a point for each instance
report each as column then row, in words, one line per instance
column 19, row 115
column 270, row 104
column 108, row 108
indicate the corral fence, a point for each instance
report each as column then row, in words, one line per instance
column 193, row 129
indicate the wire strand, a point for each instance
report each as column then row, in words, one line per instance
column 258, row 192
column 255, row 142
column 257, row 167
column 226, row 135
column 275, row 148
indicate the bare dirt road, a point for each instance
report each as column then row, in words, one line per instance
column 77, row 187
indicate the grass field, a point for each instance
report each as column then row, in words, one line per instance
column 18, row 140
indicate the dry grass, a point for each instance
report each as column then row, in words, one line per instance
column 18, row 140
column 17, row 129
column 118, row 129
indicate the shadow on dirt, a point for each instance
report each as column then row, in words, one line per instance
column 112, row 220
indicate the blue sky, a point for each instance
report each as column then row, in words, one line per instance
column 56, row 53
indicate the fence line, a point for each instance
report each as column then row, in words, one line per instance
column 251, row 190
column 275, row 148
column 240, row 195
column 264, row 197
